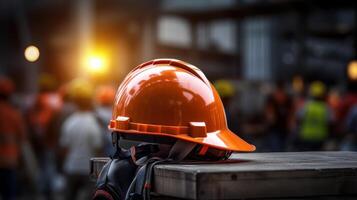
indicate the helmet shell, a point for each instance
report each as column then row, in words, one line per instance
column 168, row 97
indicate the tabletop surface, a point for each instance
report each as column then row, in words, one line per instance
column 260, row 175
column 249, row 162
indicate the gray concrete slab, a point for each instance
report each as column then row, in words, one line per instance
column 262, row 175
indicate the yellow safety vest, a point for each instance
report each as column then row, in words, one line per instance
column 314, row 125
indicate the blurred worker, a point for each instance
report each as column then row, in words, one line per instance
column 334, row 101
column 277, row 111
column 12, row 136
column 349, row 99
column 226, row 91
column 46, row 103
column 68, row 108
column 298, row 101
column 40, row 117
column 349, row 143
column 315, row 119
column 104, row 99
column 298, row 92
column 81, row 139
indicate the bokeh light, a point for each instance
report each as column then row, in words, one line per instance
column 96, row 63
column 32, row 53
column 352, row 70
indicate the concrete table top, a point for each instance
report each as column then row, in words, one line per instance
column 261, row 175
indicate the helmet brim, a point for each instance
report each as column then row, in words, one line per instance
column 222, row 139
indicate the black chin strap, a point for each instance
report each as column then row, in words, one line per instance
column 180, row 150
column 140, row 187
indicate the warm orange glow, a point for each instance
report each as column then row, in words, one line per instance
column 96, row 63
column 32, row 53
column 352, row 70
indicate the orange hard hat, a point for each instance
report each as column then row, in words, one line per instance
column 105, row 95
column 168, row 98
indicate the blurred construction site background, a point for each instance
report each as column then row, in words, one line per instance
column 286, row 71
